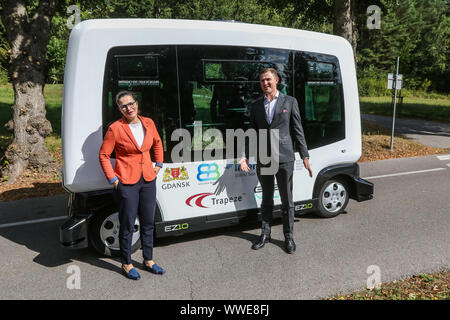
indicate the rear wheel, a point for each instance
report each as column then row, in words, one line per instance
column 333, row 198
column 104, row 233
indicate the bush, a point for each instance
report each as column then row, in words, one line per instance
column 371, row 87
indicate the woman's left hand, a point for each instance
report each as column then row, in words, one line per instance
column 157, row 169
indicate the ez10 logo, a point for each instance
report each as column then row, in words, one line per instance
column 208, row 172
column 176, row 227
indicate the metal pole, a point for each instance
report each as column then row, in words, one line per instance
column 395, row 102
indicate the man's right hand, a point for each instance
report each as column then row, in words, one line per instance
column 244, row 165
column 116, row 184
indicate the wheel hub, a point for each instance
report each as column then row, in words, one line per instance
column 109, row 232
column 334, row 197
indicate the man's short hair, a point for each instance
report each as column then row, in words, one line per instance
column 125, row 93
column 271, row 70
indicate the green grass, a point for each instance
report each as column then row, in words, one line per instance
column 53, row 102
column 413, row 107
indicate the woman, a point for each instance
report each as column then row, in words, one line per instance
column 134, row 178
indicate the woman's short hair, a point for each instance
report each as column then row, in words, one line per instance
column 125, row 93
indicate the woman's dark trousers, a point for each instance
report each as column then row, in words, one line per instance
column 136, row 200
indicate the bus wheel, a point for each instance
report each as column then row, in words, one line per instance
column 104, row 233
column 333, row 198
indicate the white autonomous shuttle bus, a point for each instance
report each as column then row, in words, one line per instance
column 200, row 75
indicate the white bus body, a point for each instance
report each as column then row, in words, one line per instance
column 177, row 68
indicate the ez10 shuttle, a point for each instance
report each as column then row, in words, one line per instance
column 202, row 75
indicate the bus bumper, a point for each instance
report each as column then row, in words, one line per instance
column 363, row 189
column 73, row 233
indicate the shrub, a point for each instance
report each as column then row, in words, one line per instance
column 371, row 87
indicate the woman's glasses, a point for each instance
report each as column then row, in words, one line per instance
column 128, row 105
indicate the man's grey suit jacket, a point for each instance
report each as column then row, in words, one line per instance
column 287, row 120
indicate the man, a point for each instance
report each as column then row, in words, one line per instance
column 277, row 111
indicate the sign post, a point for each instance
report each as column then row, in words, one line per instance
column 394, row 82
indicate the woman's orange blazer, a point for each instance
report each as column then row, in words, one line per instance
column 131, row 161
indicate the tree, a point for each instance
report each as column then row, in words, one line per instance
column 316, row 15
column 344, row 21
column 416, row 30
column 27, row 35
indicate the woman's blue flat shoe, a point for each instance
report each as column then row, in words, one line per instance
column 132, row 274
column 154, row 268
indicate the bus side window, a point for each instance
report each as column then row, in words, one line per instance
column 319, row 92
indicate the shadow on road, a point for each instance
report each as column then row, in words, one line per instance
column 240, row 230
column 43, row 238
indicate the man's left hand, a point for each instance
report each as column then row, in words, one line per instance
column 307, row 166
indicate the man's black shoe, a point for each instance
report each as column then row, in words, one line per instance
column 290, row 245
column 261, row 242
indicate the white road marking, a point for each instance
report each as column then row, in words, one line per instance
column 404, row 173
column 14, row 224
column 444, row 157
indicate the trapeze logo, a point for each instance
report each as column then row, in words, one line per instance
column 198, row 198
column 175, row 174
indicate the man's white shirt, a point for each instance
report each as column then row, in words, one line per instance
column 269, row 106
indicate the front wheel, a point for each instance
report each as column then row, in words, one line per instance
column 104, row 233
column 333, row 198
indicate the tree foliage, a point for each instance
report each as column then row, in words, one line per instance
column 416, row 30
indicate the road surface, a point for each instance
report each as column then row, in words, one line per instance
column 430, row 133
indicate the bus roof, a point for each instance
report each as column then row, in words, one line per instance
column 202, row 32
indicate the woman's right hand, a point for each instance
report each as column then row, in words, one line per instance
column 116, row 184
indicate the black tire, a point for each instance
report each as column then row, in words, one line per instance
column 104, row 233
column 333, row 198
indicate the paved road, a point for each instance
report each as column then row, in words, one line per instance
column 404, row 230
column 429, row 133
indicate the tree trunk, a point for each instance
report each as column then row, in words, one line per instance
column 28, row 38
column 344, row 22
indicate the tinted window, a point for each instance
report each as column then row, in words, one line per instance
column 204, row 87
column 217, row 84
column 137, row 66
column 150, row 72
column 318, row 88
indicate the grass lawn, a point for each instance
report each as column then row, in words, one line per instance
column 53, row 99
column 422, row 108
